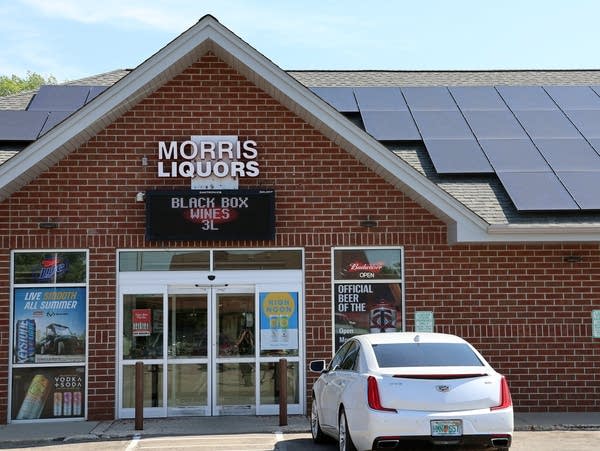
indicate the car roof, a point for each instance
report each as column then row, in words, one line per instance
column 408, row 337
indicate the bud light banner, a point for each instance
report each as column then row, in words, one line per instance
column 46, row 392
column 367, row 292
column 210, row 215
column 49, row 267
column 49, row 325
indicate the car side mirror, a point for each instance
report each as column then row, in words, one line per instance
column 317, row 366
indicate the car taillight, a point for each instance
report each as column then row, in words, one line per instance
column 373, row 396
column 505, row 398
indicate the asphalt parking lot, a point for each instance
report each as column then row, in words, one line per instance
column 523, row 441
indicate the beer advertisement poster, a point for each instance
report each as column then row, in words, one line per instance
column 278, row 320
column 362, row 308
column 49, row 325
column 45, row 392
column 368, row 294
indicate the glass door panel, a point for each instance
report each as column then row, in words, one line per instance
column 188, row 389
column 235, row 369
column 187, row 357
column 188, row 326
column 142, row 326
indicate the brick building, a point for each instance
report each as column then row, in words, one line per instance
column 125, row 238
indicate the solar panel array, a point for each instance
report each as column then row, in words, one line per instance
column 51, row 105
column 543, row 142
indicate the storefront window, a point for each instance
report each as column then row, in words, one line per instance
column 49, row 334
column 164, row 261
column 153, row 394
column 142, row 326
column 257, row 259
column 368, row 292
column 269, row 383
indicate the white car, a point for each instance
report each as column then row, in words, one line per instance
column 386, row 390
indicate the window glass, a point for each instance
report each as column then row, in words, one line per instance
column 257, row 259
column 49, row 267
column 142, row 326
column 339, row 356
column 351, row 357
column 425, row 354
column 164, row 261
column 367, row 264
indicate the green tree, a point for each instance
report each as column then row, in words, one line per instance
column 13, row 83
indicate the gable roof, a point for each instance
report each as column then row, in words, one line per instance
column 464, row 225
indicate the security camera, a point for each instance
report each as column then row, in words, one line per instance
column 211, row 277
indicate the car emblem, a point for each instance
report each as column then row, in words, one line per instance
column 442, row 388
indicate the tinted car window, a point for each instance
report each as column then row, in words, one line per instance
column 391, row 355
column 339, row 356
column 349, row 362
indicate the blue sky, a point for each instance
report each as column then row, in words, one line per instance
column 70, row 39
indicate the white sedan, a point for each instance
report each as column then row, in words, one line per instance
column 385, row 390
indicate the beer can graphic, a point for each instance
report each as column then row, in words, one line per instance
column 25, row 341
column 382, row 317
column 67, row 403
column 35, row 399
column 77, row 403
column 58, row 400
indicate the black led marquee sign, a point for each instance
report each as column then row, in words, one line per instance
column 210, row 215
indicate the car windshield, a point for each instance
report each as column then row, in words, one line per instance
column 390, row 355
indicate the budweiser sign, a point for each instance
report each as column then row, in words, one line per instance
column 369, row 267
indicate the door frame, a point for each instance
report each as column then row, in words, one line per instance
column 188, row 282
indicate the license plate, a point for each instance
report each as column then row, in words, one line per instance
column 446, row 428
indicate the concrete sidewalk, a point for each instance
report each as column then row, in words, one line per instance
column 94, row 430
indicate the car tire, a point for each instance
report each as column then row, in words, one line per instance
column 344, row 437
column 315, row 426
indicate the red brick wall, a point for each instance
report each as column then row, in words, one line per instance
column 523, row 306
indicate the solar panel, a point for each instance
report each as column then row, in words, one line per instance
column 513, row 155
column 574, row 97
column 595, row 143
column 442, row 125
column 477, row 98
column 429, row 98
column 547, row 124
column 21, row 125
column 457, row 156
column 380, row 99
column 390, row 125
column 526, row 98
column 494, row 124
column 342, row 99
column 59, row 98
column 584, row 187
column 537, row 191
column 54, row 118
column 586, row 121
column 95, row 91
column 569, row 154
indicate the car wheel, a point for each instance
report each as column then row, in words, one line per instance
column 344, row 438
column 315, row 426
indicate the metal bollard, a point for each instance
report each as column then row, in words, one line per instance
column 139, row 396
column 283, row 392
